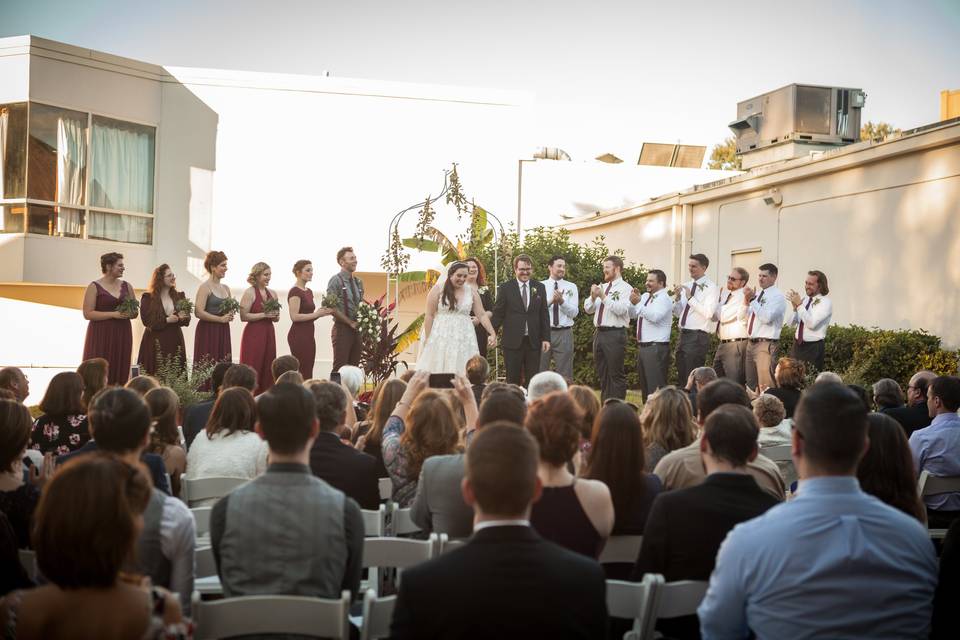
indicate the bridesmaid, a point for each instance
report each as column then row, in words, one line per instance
column 303, row 313
column 109, row 335
column 477, row 278
column 212, row 339
column 258, row 346
column 158, row 312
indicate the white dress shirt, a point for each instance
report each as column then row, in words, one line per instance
column 702, row 305
column 616, row 305
column 815, row 314
column 768, row 308
column 730, row 326
column 569, row 308
column 656, row 312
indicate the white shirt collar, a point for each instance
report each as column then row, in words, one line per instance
column 521, row 283
column 486, row 524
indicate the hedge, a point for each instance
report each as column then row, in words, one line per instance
column 860, row 355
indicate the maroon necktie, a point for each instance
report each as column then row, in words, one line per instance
column 686, row 309
column 800, row 329
column 640, row 318
column 753, row 316
column 556, row 306
column 600, row 312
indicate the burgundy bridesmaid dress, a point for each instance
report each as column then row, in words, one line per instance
column 211, row 342
column 110, row 339
column 301, row 339
column 160, row 336
column 258, row 346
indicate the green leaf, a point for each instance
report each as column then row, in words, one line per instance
column 421, row 245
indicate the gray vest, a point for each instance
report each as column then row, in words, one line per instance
column 150, row 558
column 284, row 534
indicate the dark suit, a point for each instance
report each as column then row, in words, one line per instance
column 685, row 528
column 154, row 462
column 195, row 420
column 344, row 468
column 911, row 418
column 507, row 582
column 524, row 329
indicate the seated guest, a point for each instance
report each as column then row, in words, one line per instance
column 886, row 470
column 63, row 426
column 684, row 467
column 287, row 532
column 351, row 378
column 385, row 400
column 774, row 430
column 142, row 384
column 698, row 379
column 439, row 506
column 13, row 380
column 589, row 404
column 507, row 582
column 165, row 436
column 477, row 371
column 861, row 393
column 616, row 459
column 421, row 425
column 228, row 447
column 290, row 377
column 789, row 378
column 282, row 365
column 887, row 394
column 685, row 527
column 946, row 614
column 574, row 513
column 915, row 415
column 196, row 415
column 94, row 372
column 828, row 376
column 833, row 562
column 339, row 464
column 543, row 383
column 936, row 449
column 87, row 526
column 18, row 497
column 120, row 421
column 668, row 424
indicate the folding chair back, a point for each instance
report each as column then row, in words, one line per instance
column 377, row 614
column 779, row 453
column 249, row 615
column 929, row 485
column 193, row 490
column 446, row 544
column 398, row 553
column 401, row 523
column 201, row 517
column 621, row 549
column 206, row 564
column 375, row 522
column 634, row 600
column 680, row 598
column 386, row 488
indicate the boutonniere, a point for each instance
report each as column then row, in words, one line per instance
column 653, row 296
column 816, row 301
column 615, row 295
column 568, row 293
column 533, row 291
column 483, row 289
column 762, row 302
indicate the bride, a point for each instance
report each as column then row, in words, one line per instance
column 449, row 336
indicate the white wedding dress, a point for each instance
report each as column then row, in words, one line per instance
column 452, row 339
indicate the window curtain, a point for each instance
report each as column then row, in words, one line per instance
column 122, row 166
column 112, row 226
column 71, row 166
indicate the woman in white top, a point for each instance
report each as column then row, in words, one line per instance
column 774, row 430
column 228, row 447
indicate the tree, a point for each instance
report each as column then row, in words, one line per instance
column 724, row 156
column 876, row 131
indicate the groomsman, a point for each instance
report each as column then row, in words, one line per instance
column 763, row 314
column 654, row 313
column 696, row 302
column 811, row 315
column 521, row 309
column 564, row 306
column 732, row 331
column 610, row 306
column 349, row 292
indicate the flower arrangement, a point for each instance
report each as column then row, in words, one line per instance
column 228, row 306
column 129, row 307
column 368, row 321
column 184, row 306
column 271, row 306
column 331, row 301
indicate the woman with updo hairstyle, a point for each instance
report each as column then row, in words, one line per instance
column 576, row 513
column 211, row 342
column 258, row 345
column 789, row 377
column 165, row 436
column 85, row 532
column 303, row 314
column 162, row 341
column 109, row 335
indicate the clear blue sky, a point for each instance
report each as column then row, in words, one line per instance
column 603, row 72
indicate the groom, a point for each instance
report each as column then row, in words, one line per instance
column 521, row 309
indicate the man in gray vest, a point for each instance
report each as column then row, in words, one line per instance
column 348, row 292
column 287, row 532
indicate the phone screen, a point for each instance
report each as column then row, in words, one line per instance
column 441, row 381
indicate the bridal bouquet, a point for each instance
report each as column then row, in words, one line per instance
column 228, row 306
column 368, row 321
column 129, row 307
column 184, row 307
column 271, row 306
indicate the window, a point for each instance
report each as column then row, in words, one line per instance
column 74, row 174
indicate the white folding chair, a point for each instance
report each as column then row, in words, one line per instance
column 930, row 485
column 377, row 613
column 446, row 544
column 28, row 560
column 633, row 600
column 779, row 453
column 395, row 553
column 192, row 490
column 206, row 580
column 201, row 517
column 621, row 549
column 386, row 488
column 271, row 614
column 675, row 599
column 375, row 522
column 401, row 523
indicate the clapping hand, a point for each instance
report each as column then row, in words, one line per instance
column 595, row 291
column 677, row 291
column 794, row 298
column 634, row 296
column 557, row 297
column 748, row 294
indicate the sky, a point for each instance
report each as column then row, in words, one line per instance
column 605, row 75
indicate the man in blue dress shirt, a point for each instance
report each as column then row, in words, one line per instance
column 832, row 563
column 936, row 448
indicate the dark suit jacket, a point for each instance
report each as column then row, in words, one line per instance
column 911, row 418
column 154, row 462
column 507, row 582
column 344, row 468
column 195, row 420
column 508, row 312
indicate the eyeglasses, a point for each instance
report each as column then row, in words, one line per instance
column 732, row 279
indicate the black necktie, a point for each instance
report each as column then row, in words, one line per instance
column 556, row 306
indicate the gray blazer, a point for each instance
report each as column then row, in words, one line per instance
column 439, row 506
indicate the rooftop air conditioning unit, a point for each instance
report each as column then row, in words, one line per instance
column 802, row 114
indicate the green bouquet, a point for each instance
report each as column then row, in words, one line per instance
column 271, row 306
column 184, row 306
column 129, row 307
column 228, row 306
